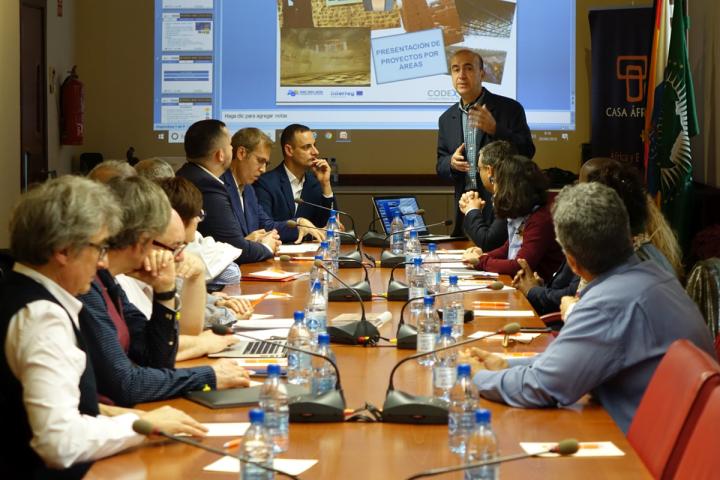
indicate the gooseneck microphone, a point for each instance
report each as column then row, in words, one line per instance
column 300, row 201
column 407, row 334
column 351, row 260
column 568, row 446
column 352, row 333
column 361, row 288
column 328, row 407
column 397, row 290
column 389, row 259
column 143, row 427
column 401, row 407
column 371, row 238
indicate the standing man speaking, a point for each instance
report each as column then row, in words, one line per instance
column 480, row 117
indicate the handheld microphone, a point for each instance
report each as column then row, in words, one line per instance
column 407, row 334
column 564, row 447
column 389, row 259
column 345, row 261
column 362, row 287
column 401, row 407
column 371, row 238
column 352, row 332
column 328, row 407
column 143, row 427
column 300, row 201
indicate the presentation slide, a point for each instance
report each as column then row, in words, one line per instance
column 355, row 64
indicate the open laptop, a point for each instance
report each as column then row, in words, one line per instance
column 253, row 349
column 387, row 206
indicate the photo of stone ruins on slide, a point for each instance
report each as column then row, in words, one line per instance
column 327, row 42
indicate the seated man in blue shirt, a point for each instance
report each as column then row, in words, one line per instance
column 627, row 316
column 301, row 175
column 251, row 155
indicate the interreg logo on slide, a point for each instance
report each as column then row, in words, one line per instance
column 304, row 93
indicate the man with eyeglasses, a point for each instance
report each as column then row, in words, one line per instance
column 49, row 393
column 251, row 156
column 134, row 357
column 479, row 117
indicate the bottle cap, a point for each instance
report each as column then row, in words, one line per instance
column 432, row 247
column 410, row 222
column 273, row 370
column 323, row 339
column 333, row 213
column 299, row 316
column 445, row 330
column 316, row 286
column 453, row 279
column 330, row 234
column 429, row 300
column 482, row 415
column 318, row 257
column 463, row 370
column 417, row 261
column 257, row 415
column 413, row 233
column 324, row 244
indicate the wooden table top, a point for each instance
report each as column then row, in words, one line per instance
column 389, row 451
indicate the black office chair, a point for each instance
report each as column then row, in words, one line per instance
column 89, row 160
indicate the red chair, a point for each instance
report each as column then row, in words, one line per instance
column 700, row 459
column 670, row 406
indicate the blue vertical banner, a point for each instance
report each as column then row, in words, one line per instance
column 621, row 40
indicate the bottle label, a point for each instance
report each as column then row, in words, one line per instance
column 425, row 342
column 444, row 377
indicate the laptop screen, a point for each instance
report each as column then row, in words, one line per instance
column 387, row 207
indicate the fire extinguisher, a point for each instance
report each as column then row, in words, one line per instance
column 72, row 106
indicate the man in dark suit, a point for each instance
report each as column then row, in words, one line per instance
column 479, row 118
column 301, row 175
column 209, row 153
column 251, row 155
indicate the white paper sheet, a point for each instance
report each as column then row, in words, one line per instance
column 270, row 274
column 504, row 313
column 587, row 449
column 230, row 429
column 263, row 324
column 291, row 249
column 232, row 465
column 266, row 334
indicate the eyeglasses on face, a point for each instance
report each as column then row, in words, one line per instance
column 101, row 249
column 175, row 250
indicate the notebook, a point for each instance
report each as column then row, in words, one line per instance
column 386, row 208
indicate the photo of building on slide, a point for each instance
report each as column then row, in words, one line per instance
column 389, row 45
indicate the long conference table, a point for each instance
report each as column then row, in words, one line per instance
column 382, row 450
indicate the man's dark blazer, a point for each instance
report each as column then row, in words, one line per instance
column 511, row 126
column 275, row 195
column 546, row 299
column 222, row 222
column 253, row 216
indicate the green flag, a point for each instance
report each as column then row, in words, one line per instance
column 670, row 154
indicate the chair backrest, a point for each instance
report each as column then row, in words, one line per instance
column 682, row 382
column 700, row 460
column 703, row 286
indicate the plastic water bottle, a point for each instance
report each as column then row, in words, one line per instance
column 432, row 269
column 316, row 312
column 317, row 274
column 482, row 446
column 333, row 253
column 461, row 413
column 324, row 377
column 427, row 331
column 299, row 366
column 409, row 223
column 416, row 285
column 397, row 244
column 332, row 226
column 274, row 402
column 257, row 446
column 454, row 309
column 444, row 368
column 412, row 250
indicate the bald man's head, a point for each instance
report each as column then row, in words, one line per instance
column 594, row 165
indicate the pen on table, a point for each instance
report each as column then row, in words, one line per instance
column 262, row 297
column 232, row 443
column 492, row 305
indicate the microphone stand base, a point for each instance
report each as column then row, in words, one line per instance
column 348, row 238
column 390, row 260
column 374, row 239
column 401, row 407
column 406, row 337
column 328, row 407
column 351, row 260
column 350, row 333
column 397, row 292
column 343, row 294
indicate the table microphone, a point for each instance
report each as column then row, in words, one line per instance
column 401, row 407
column 143, row 427
column 407, row 334
column 564, row 447
column 352, row 333
column 328, row 407
column 371, row 238
column 397, row 290
column 300, row 201
column 389, row 259
column 345, row 261
column 362, row 287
